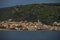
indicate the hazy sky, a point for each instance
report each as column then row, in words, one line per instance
column 7, row 3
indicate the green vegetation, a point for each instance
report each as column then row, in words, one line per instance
column 46, row 13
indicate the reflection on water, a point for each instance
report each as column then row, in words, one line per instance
column 29, row 35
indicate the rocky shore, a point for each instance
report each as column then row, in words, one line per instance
column 24, row 25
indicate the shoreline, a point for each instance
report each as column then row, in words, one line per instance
column 28, row 30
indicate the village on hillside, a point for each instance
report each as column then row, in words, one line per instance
column 24, row 25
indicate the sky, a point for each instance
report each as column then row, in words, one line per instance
column 8, row 3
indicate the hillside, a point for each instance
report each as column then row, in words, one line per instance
column 32, row 12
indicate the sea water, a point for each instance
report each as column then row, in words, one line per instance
column 29, row 35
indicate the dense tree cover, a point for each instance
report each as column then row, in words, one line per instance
column 32, row 12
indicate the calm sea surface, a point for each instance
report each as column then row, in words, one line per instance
column 29, row 35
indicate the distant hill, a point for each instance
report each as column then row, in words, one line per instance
column 52, row 4
column 46, row 13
